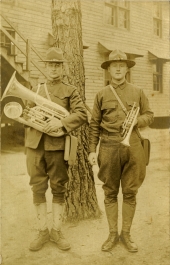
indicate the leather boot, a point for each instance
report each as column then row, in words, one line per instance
column 59, row 239
column 56, row 234
column 43, row 235
column 128, row 212
column 112, row 240
column 112, row 218
column 126, row 239
column 40, row 240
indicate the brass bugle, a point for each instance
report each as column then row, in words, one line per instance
column 130, row 119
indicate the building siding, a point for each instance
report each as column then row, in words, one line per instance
column 33, row 19
column 139, row 36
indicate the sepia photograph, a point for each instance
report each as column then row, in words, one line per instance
column 85, row 123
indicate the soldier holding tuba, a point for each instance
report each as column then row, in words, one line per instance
column 45, row 153
column 118, row 162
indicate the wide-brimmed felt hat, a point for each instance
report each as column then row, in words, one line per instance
column 117, row 56
column 54, row 55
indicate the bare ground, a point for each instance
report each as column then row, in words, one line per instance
column 150, row 227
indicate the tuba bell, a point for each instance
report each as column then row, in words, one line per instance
column 36, row 117
column 128, row 124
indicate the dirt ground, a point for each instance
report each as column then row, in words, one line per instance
column 150, row 227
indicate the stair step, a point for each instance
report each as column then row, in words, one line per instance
column 11, row 60
column 18, row 66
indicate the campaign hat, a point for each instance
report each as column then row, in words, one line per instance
column 54, row 55
column 117, row 56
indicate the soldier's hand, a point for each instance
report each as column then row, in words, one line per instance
column 52, row 126
column 26, row 113
column 92, row 158
column 129, row 124
column 135, row 122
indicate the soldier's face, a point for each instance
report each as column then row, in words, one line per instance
column 118, row 71
column 54, row 70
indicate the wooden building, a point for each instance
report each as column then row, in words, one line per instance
column 140, row 29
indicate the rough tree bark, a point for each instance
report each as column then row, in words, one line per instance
column 81, row 200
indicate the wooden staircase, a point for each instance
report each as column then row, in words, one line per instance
column 18, row 66
column 21, row 67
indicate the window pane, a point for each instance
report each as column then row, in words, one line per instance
column 117, row 13
column 110, row 15
column 157, row 76
column 123, row 18
column 155, row 83
column 157, row 27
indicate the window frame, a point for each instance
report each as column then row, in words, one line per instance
column 117, row 7
column 159, row 76
column 158, row 20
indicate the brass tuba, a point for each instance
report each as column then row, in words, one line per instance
column 36, row 117
column 128, row 124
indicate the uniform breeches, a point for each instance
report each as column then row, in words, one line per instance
column 121, row 164
column 44, row 166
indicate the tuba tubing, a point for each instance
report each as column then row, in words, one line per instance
column 44, row 107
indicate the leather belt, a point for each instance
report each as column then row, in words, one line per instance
column 105, row 132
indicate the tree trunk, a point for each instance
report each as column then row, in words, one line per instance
column 81, row 200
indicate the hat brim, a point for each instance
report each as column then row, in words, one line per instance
column 53, row 61
column 105, row 64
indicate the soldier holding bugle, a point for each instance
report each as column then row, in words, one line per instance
column 121, row 156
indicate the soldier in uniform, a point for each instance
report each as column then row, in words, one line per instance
column 45, row 154
column 118, row 163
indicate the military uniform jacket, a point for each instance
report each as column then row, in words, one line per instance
column 109, row 115
column 68, row 97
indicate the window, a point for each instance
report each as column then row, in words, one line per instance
column 117, row 13
column 157, row 19
column 107, row 77
column 158, row 59
column 157, row 75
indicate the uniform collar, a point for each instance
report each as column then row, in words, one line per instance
column 121, row 86
column 56, row 89
column 53, row 82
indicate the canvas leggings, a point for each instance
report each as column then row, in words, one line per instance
column 47, row 166
column 121, row 164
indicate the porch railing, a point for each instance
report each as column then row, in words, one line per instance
column 29, row 46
